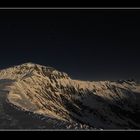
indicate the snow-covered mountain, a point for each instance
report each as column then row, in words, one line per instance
column 53, row 94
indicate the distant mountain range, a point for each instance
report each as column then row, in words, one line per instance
column 49, row 99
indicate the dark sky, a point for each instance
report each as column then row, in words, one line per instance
column 87, row 44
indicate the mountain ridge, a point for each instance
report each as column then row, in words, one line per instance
column 48, row 92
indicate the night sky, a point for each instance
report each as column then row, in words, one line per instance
column 86, row 44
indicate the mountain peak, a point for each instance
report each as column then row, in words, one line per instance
column 30, row 68
column 31, row 64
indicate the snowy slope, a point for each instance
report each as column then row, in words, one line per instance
column 44, row 90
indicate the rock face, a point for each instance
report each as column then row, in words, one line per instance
column 48, row 92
